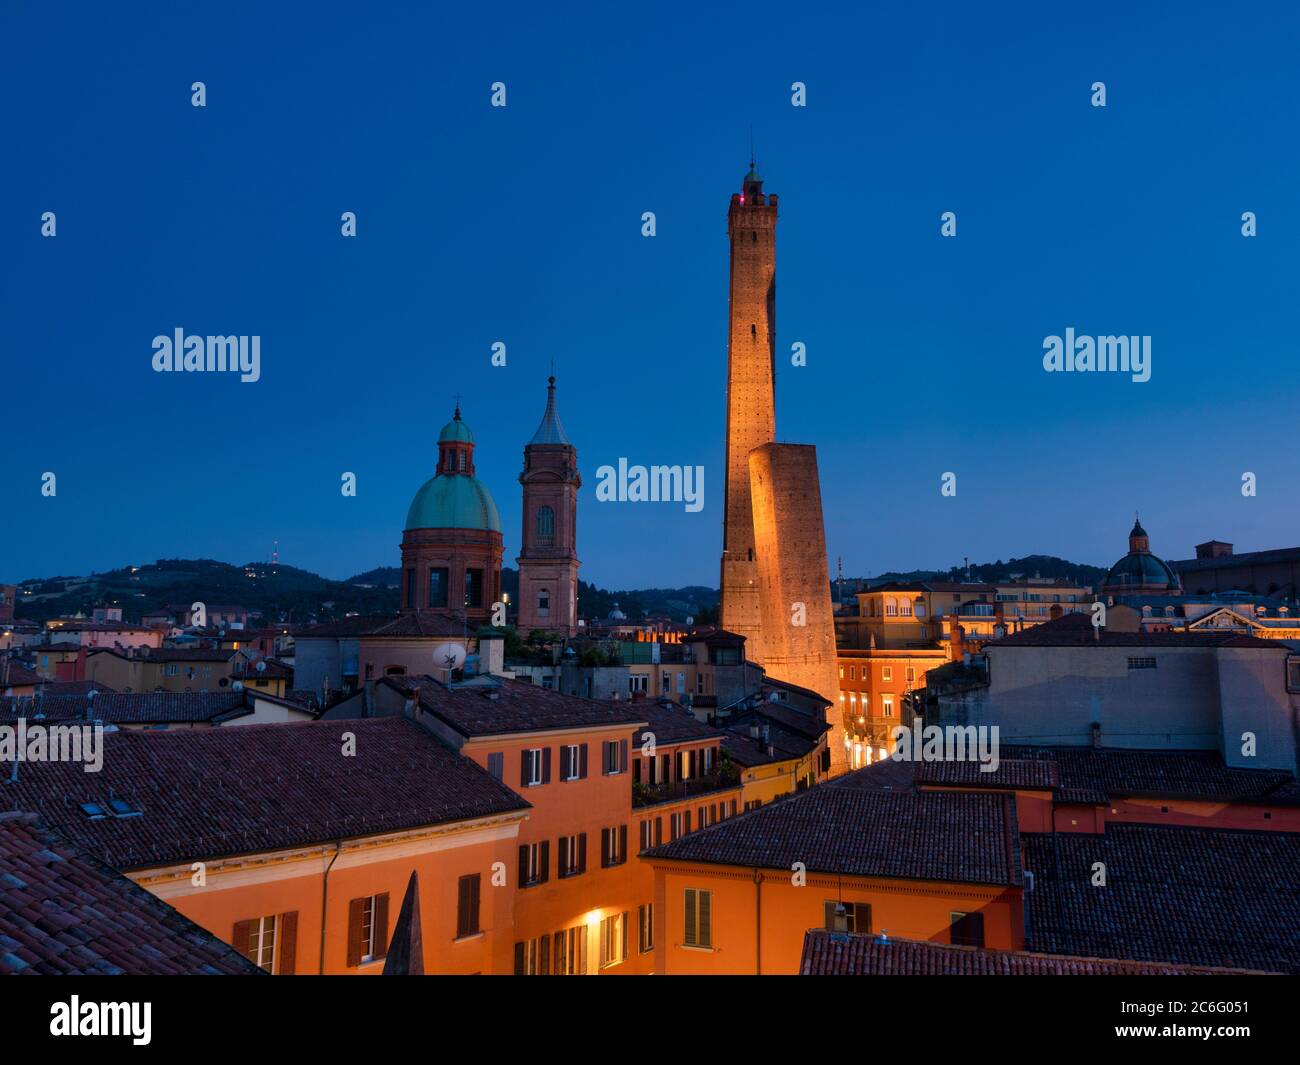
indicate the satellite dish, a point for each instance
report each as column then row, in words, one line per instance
column 238, row 686
column 261, row 666
column 690, row 620
column 448, row 656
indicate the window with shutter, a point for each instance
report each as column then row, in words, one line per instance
column 287, row 952
column 379, row 949
column 356, row 931
column 467, row 904
column 699, row 918
column 582, row 762
column 645, row 921
column 497, row 765
column 242, row 939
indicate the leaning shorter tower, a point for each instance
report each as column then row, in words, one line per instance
column 548, row 559
column 794, row 587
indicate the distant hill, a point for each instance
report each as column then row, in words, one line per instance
column 1048, row 566
column 282, row 593
column 288, row 594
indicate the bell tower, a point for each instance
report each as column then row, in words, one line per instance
column 548, row 559
column 751, row 404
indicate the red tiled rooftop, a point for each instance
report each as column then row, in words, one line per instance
column 210, row 793
column 1093, row 775
column 1194, row 896
column 494, row 705
column 829, row 954
column 64, row 912
column 949, row 837
column 1076, row 630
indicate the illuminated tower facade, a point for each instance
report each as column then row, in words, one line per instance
column 548, row 559
column 751, row 404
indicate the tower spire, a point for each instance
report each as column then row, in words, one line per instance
column 550, row 431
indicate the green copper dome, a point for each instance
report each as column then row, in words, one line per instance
column 1140, row 570
column 453, row 501
column 456, row 431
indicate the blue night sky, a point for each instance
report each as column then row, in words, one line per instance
column 478, row 224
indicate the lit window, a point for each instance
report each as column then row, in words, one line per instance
column 613, row 940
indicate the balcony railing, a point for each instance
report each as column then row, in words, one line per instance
column 716, row 780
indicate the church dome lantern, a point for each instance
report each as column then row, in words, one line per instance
column 1140, row 572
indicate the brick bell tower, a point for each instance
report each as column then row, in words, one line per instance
column 751, row 404
column 548, row 560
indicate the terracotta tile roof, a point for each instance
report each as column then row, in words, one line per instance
column 771, row 684
column 885, row 775
column 489, row 706
column 424, row 624
column 274, row 671
column 1093, row 775
column 940, row 836
column 184, row 654
column 75, row 687
column 828, row 954
column 64, row 912
column 786, row 744
column 1197, row 896
column 129, row 708
column 786, row 717
column 1076, row 630
column 345, row 627
column 16, row 675
column 670, row 724
column 209, row 793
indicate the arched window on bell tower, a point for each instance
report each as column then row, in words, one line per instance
column 545, row 530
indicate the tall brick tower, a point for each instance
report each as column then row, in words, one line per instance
column 548, row 560
column 751, row 405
